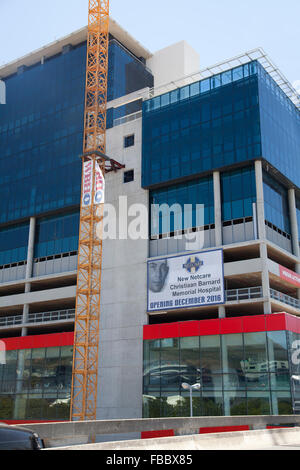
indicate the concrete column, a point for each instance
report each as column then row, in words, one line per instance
column 218, row 209
column 294, row 222
column 294, row 230
column 265, row 278
column 222, row 311
column 274, row 398
column 29, row 268
column 225, row 368
column 260, row 206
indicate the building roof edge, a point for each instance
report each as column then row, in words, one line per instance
column 74, row 39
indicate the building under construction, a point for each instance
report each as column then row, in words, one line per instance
column 209, row 294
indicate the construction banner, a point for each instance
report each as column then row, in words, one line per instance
column 99, row 186
column 87, row 183
column 188, row 281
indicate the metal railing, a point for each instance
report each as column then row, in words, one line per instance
column 128, row 118
column 43, row 317
column 11, row 321
column 287, row 299
column 258, row 55
column 244, row 294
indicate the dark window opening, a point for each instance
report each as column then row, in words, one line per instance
column 129, row 141
column 128, row 176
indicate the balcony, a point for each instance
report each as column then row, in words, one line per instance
column 286, row 299
column 247, row 293
column 33, row 318
column 128, row 118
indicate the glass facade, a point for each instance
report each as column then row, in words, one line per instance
column 233, row 117
column 238, row 193
column 13, row 243
column 35, row 384
column 280, row 128
column 40, row 143
column 41, row 137
column 240, row 374
column 57, row 234
column 198, row 191
column 41, row 129
column 126, row 73
column 276, row 204
column 201, row 127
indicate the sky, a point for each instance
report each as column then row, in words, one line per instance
column 217, row 29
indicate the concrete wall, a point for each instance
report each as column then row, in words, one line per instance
column 279, row 439
column 173, row 245
column 48, row 295
column 279, row 239
column 124, row 286
column 14, row 273
column 173, row 62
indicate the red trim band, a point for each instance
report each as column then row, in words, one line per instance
column 224, row 326
column 39, row 341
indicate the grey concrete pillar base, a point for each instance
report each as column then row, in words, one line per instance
column 267, row 308
column 294, row 222
column 222, row 311
column 260, row 205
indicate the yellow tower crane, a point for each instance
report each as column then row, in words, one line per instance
column 94, row 165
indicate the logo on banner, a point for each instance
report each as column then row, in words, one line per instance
column 99, row 186
column 193, row 265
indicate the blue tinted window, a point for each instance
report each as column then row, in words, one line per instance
column 13, row 244
column 198, row 191
column 280, row 128
column 126, row 73
column 41, row 129
column 206, row 127
column 237, row 116
column 56, row 235
column 238, row 193
column 276, row 204
column 40, row 169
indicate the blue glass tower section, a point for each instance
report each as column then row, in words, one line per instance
column 41, row 129
column 276, row 204
column 238, row 193
column 183, row 199
column 229, row 119
column 280, row 128
column 57, row 234
column 201, row 127
column 13, row 243
column 41, row 135
column 126, row 73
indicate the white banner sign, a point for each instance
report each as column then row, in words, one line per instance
column 186, row 281
column 99, row 186
column 88, row 184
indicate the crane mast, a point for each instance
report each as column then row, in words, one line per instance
column 87, row 319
